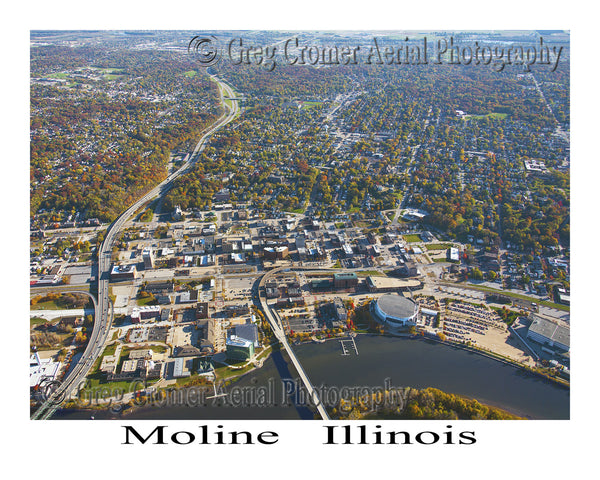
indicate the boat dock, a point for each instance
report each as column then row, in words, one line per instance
column 348, row 345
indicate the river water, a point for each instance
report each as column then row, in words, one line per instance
column 382, row 361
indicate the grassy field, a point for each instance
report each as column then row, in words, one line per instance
column 411, row 238
column 190, row 73
column 58, row 75
column 370, row 273
column 111, row 77
column 297, row 210
column 147, row 213
column 224, row 372
column 362, row 224
column 142, row 302
column 109, row 70
column 61, row 288
column 439, row 246
column 34, row 321
column 110, row 350
column 227, row 101
column 57, row 304
column 310, row 104
column 491, row 115
column 49, row 305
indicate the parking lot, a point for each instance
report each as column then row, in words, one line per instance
column 185, row 335
column 238, row 288
column 79, row 274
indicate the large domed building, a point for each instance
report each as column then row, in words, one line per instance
column 395, row 311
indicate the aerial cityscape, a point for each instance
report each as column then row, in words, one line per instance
column 299, row 225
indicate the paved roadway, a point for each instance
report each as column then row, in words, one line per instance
column 409, row 169
column 103, row 320
column 76, row 374
column 275, row 323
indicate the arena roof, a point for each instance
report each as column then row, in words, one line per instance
column 396, row 306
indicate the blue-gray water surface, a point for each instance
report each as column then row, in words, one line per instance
column 403, row 362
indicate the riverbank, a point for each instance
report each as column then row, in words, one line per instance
column 471, row 348
column 382, row 362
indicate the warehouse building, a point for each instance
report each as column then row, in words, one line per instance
column 345, row 280
column 144, row 313
column 387, row 284
column 123, row 272
column 547, row 332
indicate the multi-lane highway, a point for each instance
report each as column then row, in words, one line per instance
column 103, row 307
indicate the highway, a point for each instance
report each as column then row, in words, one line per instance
column 103, row 306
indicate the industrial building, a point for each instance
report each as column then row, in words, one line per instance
column 321, row 284
column 137, row 368
column 547, row 332
column 144, row 354
column 189, row 296
column 148, row 257
column 340, row 310
column 48, row 280
column 201, row 310
column 159, row 287
column 453, row 254
column 345, row 280
column 387, row 284
column 178, row 368
column 276, row 253
column 109, row 363
column 144, row 313
column 123, row 272
column 40, row 370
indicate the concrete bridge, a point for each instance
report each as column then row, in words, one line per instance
column 275, row 323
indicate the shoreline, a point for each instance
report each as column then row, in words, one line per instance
column 449, row 343
column 234, row 381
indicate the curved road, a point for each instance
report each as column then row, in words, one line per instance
column 103, row 320
column 275, row 323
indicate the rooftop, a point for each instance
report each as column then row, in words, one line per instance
column 550, row 329
column 44, row 369
column 235, row 341
column 123, row 269
column 396, row 306
column 339, row 276
column 247, row 332
column 387, row 282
